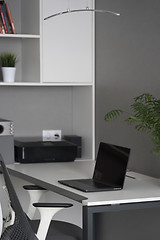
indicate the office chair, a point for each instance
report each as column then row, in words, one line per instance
column 22, row 228
column 1, row 220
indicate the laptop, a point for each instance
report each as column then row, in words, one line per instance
column 109, row 173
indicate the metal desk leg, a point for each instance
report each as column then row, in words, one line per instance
column 88, row 223
column 89, row 215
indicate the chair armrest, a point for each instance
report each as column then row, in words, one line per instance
column 47, row 211
column 35, row 193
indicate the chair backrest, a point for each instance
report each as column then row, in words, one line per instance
column 21, row 229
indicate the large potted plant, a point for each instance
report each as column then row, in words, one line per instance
column 8, row 62
column 145, row 113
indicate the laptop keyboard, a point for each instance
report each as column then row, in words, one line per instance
column 87, row 185
column 92, row 183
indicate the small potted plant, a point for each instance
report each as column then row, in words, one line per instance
column 8, row 62
column 145, row 114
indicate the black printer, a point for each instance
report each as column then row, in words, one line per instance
column 33, row 150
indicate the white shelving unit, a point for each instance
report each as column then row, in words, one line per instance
column 59, row 53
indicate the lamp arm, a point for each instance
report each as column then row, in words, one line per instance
column 87, row 9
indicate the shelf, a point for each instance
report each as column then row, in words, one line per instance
column 31, row 36
column 21, row 84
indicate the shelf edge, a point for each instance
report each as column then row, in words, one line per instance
column 19, row 36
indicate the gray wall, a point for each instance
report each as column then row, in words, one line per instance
column 127, row 65
column 33, row 109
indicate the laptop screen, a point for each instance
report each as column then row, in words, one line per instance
column 111, row 164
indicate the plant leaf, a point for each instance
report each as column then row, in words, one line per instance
column 113, row 114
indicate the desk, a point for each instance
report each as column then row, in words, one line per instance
column 139, row 191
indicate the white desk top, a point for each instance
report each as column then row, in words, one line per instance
column 141, row 189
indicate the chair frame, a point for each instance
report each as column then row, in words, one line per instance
column 47, row 211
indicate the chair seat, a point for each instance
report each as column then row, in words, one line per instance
column 60, row 230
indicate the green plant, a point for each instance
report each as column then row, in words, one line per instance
column 8, row 59
column 146, row 116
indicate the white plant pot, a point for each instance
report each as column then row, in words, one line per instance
column 8, row 74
